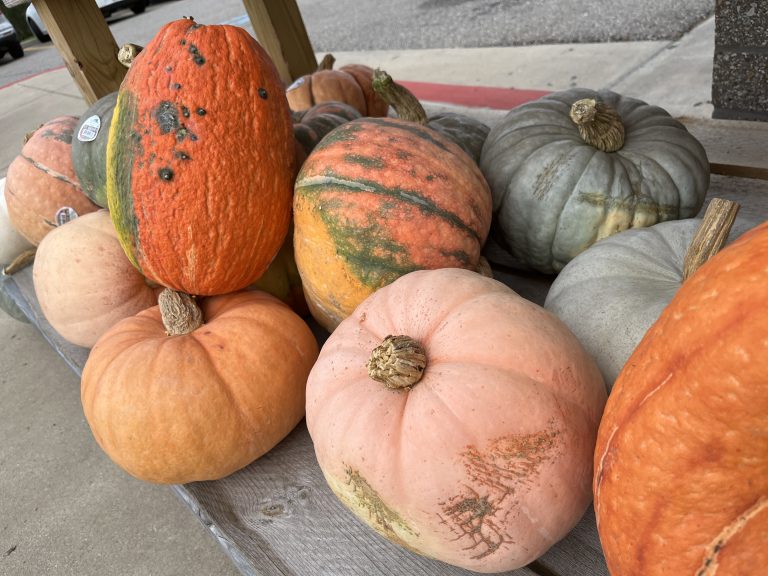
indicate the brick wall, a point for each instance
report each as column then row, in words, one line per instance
column 740, row 70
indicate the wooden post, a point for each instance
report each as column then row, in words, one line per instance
column 280, row 29
column 81, row 34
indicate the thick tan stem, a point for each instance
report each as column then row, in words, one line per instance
column 180, row 312
column 599, row 125
column 127, row 54
column 399, row 97
column 710, row 235
column 398, row 362
column 327, row 62
column 20, row 262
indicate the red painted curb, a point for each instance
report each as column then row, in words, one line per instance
column 472, row 96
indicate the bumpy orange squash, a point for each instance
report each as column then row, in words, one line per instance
column 468, row 437
column 201, row 159
column 681, row 463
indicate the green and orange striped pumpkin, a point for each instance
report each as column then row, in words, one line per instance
column 378, row 198
column 201, row 159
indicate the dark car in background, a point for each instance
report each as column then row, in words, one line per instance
column 9, row 41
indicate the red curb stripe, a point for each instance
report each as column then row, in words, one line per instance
column 31, row 76
column 472, row 96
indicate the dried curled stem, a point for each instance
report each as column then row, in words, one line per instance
column 180, row 312
column 399, row 97
column 127, row 54
column 599, row 125
column 398, row 362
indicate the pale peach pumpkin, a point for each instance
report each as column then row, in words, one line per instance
column 485, row 461
column 84, row 282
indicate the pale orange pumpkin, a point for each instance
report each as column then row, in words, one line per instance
column 195, row 394
column 483, row 458
column 84, row 282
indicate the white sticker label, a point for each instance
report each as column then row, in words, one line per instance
column 64, row 215
column 90, row 129
column 295, row 85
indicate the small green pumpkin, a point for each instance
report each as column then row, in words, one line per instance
column 577, row 166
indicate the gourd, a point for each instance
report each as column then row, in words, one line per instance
column 201, row 159
column 378, row 198
column 468, row 132
column 681, row 466
column 89, row 148
column 11, row 242
column 457, row 419
column 41, row 187
column 577, row 166
column 311, row 125
column 610, row 294
column 351, row 84
column 180, row 393
column 83, row 281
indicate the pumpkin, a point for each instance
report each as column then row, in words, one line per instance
column 311, row 125
column 83, row 281
column 681, row 465
column 378, row 198
column 351, row 84
column 41, row 187
column 467, row 434
column 610, row 294
column 11, row 242
column 201, row 159
column 577, row 166
column 468, row 132
column 7, row 303
column 221, row 388
column 89, row 148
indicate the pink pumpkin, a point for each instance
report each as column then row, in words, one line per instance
column 475, row 447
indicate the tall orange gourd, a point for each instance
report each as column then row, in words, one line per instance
column 200, row 159
column 681, row 463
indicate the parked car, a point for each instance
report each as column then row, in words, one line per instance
column 9, row 42
column 108, row 7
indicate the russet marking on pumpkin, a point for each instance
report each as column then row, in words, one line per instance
column 471, row 516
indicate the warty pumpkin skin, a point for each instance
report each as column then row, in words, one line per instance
column 486, row 460
column 201, row 159
column 378, row 198
column 83, row 281
column 681, row 465
column 203, row 404
column 41, row 180
column 555, row 194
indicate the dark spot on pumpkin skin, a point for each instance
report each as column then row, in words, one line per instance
column 58, row 135
column 185, row 111
column 165, row 174
column 176, row 86
column 167, row 117
column 169, row 69
column 263, row 94
column 430, row 177
column 182, row 155
column 201, row 112
column 196, row 56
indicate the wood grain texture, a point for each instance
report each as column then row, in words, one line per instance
column 279, row 27
column 83, row 38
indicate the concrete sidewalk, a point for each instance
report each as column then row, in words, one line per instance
column 65, row 508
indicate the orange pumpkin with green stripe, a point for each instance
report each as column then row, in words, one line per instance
column 201, row 159
column 376, row 199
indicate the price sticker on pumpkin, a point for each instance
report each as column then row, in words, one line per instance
column 90, row 129
column 64, row 215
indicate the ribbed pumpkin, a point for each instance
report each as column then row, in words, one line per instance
column 178, row 394
column 89, row 148
column 201, row 159
column 41, row 184
column 351, row 84
column 311, row 125
column 83, row 281
column 577, row 165
column 681, row 463
column 376, row 199
column 457, row 419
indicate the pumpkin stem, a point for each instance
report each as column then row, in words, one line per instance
column 180, row 312
column 20, row 262
column 327, row 62
column 399, row 97
column 599, row 125
column 398, row 362
column 127, row 54
column 484, row 267
column 711, row 234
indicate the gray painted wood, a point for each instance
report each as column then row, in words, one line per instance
column 278, row 517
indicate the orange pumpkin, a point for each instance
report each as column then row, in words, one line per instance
column 216, row 391
column 83, row 281
column 351, row 84
column 41, row 188
column 201, row 159
column 681, row 463
column 468, row 437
